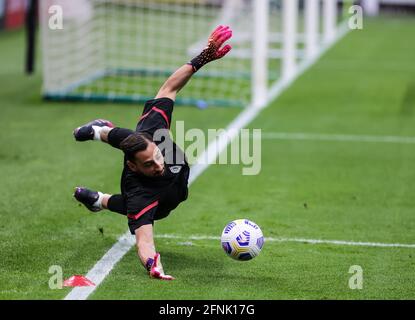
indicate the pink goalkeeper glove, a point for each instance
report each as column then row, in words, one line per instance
column 156, row 269
column 213, row 50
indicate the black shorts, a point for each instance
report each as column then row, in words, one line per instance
column 156, row 115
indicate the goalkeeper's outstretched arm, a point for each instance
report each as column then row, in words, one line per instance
column 212, row 51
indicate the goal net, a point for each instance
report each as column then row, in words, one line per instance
column 123, row 50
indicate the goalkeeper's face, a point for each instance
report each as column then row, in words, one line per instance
column 149, row 162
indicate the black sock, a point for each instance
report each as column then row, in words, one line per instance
column 116, row 203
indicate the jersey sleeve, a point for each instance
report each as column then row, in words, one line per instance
column 157, row 114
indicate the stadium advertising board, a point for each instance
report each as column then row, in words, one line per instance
column 14, row 13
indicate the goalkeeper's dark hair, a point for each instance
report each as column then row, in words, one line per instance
column 135, row 142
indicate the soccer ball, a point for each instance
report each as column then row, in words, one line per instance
column 242, row 239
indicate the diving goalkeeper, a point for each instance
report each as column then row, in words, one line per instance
column 151, row 186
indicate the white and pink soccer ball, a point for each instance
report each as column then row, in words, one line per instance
column 242, row 239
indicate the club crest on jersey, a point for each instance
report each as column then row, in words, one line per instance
column 175, row 169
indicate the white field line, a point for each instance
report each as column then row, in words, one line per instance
column 104, row 266
column 336, row 137
column 300, row 240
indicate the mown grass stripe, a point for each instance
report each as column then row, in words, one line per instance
column 336, row 137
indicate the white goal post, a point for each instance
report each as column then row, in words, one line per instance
column 123, row 50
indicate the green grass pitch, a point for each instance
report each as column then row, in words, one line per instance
column 334, row 190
